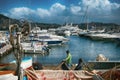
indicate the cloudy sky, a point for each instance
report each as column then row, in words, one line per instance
column 61, row 11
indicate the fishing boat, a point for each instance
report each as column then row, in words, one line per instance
column 26, row 62
column 7, row 76
column 57, row 74
column 72, row 75
column 103, row 65
column 7, row 71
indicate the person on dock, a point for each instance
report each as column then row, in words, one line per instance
column 79, row 65
column 67, row 61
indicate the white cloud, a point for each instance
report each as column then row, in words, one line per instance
column 75, row 9
column 98, row 9
column 21, row 12
column 43, row 12
column 115, row 6
column 57, row 8
column 100, row 5
column 95, row 8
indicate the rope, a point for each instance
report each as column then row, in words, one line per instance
column 96, row 76
column 59, row 65
column 113, row 69
column 30, row 75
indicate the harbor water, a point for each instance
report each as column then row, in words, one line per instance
column 79, row 47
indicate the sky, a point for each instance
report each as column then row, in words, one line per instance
column 61, row 11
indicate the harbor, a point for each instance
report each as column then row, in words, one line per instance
column 41, row 50
column 109, row 49
column 51, row 61
column 60, row 40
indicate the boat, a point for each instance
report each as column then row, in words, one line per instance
column 57, row 74
column 67, row 33
column 7, row 76
column 73, row 75
column 83, row 33
column 87, row 31
column 7, row 66
column 7, row 71
column 44, row 36
column 103, row 65
column 35, row 47
column 26, row 62
column 103, row 36
column 68, row 30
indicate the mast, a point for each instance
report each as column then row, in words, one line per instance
column 87, row 18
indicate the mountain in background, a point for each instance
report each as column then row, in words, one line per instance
column 6, row 21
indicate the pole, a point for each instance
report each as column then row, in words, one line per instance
column 19, row 56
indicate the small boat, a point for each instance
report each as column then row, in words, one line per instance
column 26, row 62
column 57, row 74
column 103, row 65
column 8, row 66
column 7, row 76
column 35, row 47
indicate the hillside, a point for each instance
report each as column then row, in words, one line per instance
column 5, row 21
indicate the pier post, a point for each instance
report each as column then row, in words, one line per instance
column 19, row 56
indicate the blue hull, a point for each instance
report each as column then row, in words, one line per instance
column 54, row 42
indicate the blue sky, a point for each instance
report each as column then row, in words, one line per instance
column 61, row 11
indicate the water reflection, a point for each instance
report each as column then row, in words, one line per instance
column 79, row 48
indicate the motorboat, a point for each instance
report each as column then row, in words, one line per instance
column 35, row 47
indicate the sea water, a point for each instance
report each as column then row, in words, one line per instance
column 79, row 47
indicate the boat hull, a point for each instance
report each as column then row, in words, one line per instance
column 54, row 42
column 26, row 62
column 103, row 64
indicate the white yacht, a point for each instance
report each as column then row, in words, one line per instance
column 101, row 36
column 44, row 36
column 69, row 29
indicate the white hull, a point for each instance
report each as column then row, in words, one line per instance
column 103, row 36
column 35, row 47
column 8, row 77
column 67, row 33
column 26, row 62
